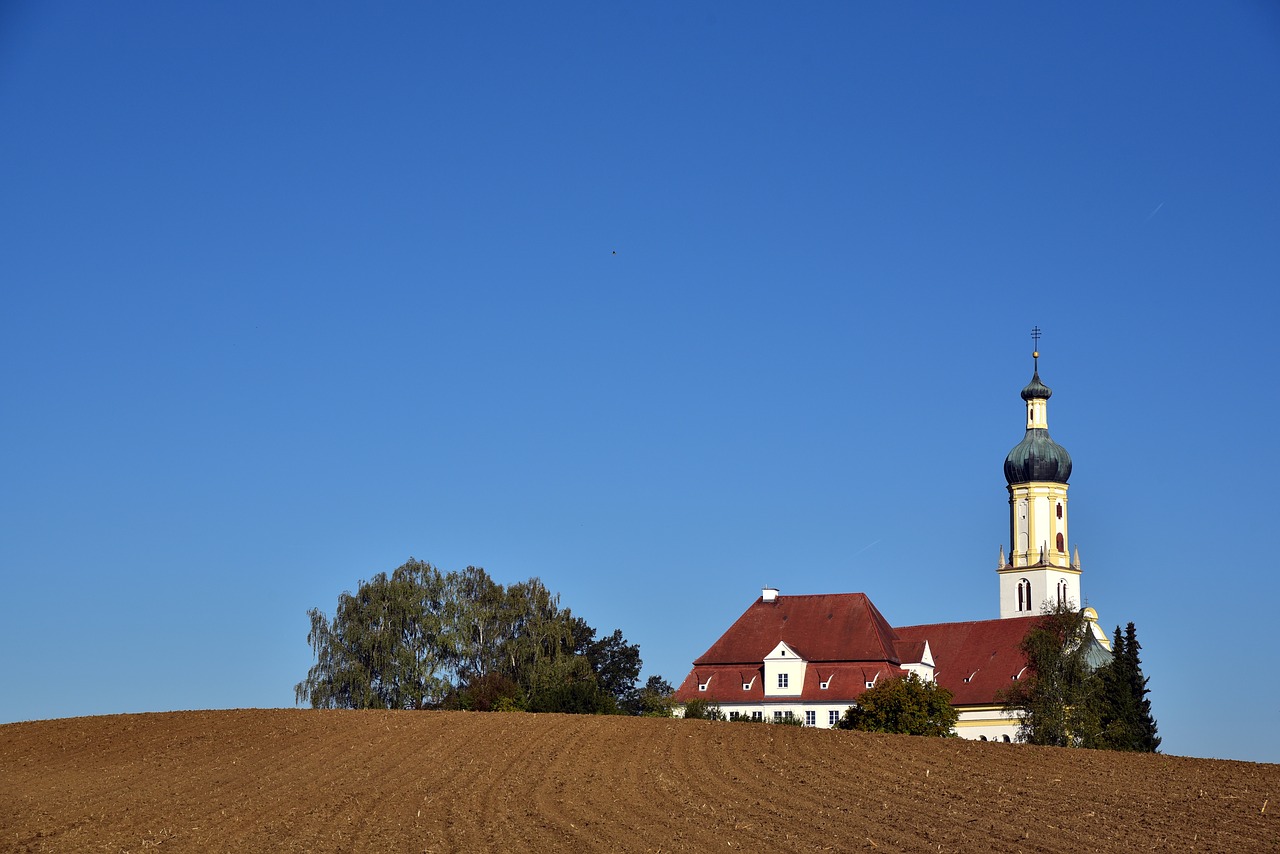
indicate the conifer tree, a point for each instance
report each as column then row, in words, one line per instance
column 1124, row 710
column 1146, row 739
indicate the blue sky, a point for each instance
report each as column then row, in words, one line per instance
column 659, row 303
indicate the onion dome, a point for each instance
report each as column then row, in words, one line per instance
column 1036, row 390
column 1037, row 457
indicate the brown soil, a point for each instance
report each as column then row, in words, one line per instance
column 287, row 780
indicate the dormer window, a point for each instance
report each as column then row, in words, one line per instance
column 702, row 686
column 783, row 680
column 823, row 685
column 746, row 686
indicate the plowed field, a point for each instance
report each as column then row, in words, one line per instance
column 293, row 780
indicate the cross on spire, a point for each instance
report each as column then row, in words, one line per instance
column 1035, row 346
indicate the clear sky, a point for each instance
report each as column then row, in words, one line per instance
column 658, row 303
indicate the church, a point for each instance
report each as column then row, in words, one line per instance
column 810, row 657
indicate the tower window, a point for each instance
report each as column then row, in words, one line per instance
column 1024, row 595
column 1061, row 543
column 1059, row 509
column 1062, row 592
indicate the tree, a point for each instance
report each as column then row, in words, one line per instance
column 1125, row 711
column 1071, row 698
column 615, row 662
column 909, row 705
column 489, row 693
column 385, row 647
column 1058, row 698
column 568, row 685
column 1148, row 741
column 702, row 710
column 655, row 699
column 423, row 639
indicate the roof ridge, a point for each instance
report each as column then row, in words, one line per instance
column 968, row 622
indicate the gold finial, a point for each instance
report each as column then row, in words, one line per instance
column 1035, row 345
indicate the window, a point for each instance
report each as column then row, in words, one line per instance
column 733, row 716
column 810, row 718
column 1024, row 595
column 833, row 717
column 1006, row 739
column 746, row 686
column 823, row 685
column 777, row 716
column 702, row 686
column 783, row 680
column 1061, row 543
column 1062, row 592
column 1059, row 509
column 757, row 716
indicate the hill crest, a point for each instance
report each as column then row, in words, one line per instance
column 453, row 781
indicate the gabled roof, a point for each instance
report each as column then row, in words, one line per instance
column 842, row 627
column 913, row 651
column 974, row 660
column 842, row 636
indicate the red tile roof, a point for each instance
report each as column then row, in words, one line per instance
column 974, row 660
column 845, row 683
column 829, row 627
column 846, row 640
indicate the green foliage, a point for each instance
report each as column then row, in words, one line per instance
column 1057, row 698
column 388, row 646
column 655, row 699
column 489, row 692
column 615, row 663
column 568, row 684
column 1065, row 702
column 1124, row 710
column 909, row 705
column 425, row 639
column 702, row 710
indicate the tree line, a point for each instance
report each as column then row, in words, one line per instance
column 420, row 638
column 1074, row 697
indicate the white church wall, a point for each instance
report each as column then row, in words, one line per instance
column 986, row 722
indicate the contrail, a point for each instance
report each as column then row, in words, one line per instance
column 1154, row 212
column 864, row 548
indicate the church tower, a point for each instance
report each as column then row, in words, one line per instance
column 1039, row 568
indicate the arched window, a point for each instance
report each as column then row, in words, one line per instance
column 1024, row 595
column 1006, row 740
column 1061, row 543
column 1062, row 591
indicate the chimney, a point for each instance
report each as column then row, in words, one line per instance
column 769, row 594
